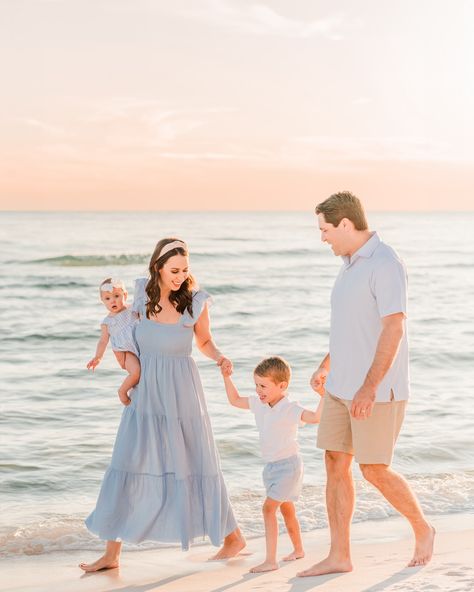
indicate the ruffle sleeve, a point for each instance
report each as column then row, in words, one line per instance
column 200, row 298
column 140, row 297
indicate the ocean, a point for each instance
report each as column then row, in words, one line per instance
column 270, row 278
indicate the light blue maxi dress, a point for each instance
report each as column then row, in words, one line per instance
column 164, row 482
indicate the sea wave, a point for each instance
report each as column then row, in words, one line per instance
column 447, row 493
column 140, row 259
column 90, row 260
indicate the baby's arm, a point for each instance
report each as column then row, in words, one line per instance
column 233, row 394
column 101, row 347
column 313, row 416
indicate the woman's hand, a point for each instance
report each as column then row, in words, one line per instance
column 225, row 365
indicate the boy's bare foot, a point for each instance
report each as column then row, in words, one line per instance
column 265, row 566
column 103, row 563
column 326, row 566
column 232, row 546
column 423, row 548
column 293, row 556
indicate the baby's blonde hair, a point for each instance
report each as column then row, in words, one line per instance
column 276, row 368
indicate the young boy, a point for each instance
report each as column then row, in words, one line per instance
column 277, row 420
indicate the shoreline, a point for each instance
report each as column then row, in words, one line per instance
column 381, row 550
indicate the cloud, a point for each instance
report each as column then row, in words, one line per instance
column 260, row 19
column 320, row 150
column 42, row 126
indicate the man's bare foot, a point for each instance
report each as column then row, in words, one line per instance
column 265, row 566
column 232, row 546
column 103, row 563
column 326, row 566
column 293, row 556
column 423, row 548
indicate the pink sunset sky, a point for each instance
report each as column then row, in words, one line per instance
column 229, row 104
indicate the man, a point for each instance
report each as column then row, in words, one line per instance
column 366, row 378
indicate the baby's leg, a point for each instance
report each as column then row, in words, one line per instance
column 132, row 366
column 120, row 356
column 293, row 527
column 269, row 510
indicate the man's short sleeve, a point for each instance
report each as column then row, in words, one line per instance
column 390, row 287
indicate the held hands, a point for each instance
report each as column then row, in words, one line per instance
column 92, row 364
column 225, row 365
column 363, row 403
column 318, row 380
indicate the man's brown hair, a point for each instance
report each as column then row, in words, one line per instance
column 343, row 205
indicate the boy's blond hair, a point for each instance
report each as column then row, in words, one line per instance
column 276, row 368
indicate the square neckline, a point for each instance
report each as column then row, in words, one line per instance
column 166, row 324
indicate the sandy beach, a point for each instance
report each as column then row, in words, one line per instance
column 381, row 550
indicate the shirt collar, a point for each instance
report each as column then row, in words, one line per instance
column 366, row 250
column 281, row 403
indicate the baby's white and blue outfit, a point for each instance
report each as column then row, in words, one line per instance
column 278, row 429
column 121, row 327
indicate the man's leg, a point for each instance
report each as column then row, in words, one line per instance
column 340, row 499
column 399, row 494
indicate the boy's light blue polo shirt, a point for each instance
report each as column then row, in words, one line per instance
column 371, row 284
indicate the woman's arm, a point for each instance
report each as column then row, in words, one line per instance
column 101, row 347
column 205, row 343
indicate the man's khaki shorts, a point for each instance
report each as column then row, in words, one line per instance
column 370, row 440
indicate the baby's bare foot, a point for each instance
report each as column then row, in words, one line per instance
column 265, row 566
column 103, row 563
column 293, row 556
column 124, row 398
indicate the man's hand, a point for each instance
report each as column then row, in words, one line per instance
column 363, row 403
column 318, row 380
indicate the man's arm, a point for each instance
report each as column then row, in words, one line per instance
column 393, row 328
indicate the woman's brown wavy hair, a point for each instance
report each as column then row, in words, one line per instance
column 182, row 298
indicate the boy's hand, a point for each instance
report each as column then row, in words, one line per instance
column 225, row 371
column 225, row 365
column 93, row 363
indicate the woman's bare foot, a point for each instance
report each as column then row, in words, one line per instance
column 104, row 562
column 423, row 548
column 265, row 566
column 293, row 556
column 326, row 566
column 233, row 545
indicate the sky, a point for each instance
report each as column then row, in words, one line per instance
column 236, row 105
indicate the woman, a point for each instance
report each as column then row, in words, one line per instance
column 164, row 482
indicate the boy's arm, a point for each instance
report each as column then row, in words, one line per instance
column 233, row 394
column 101, row 347
column 313, row 416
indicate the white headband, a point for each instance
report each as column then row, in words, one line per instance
column 174, row 245
column 114, row 283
